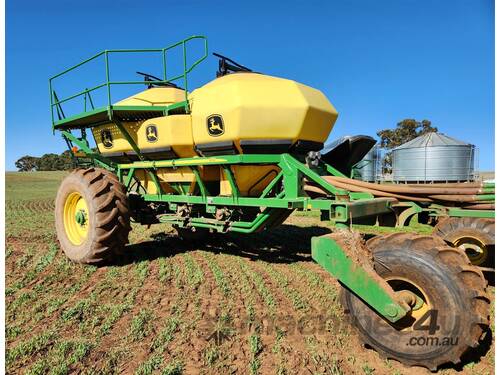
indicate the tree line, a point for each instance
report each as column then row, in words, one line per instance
column 405, row 131
column 47, row 162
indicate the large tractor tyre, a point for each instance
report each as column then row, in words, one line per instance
column 92, row 215
column 475, row 236
column 449, row 314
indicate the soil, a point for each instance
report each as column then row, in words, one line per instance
column 157, row 308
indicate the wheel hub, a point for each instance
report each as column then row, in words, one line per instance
column 81, row 217
column 410, row 293
column 476, row 251
column 413, row 300
column 76, row 215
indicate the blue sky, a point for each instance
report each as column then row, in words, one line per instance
column 377, row 61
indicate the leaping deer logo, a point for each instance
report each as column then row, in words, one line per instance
column 215, row 125
column 106, row 139
column 151, row 133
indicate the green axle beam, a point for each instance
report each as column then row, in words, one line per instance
column 370, row 288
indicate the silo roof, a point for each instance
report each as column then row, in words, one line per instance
column 432, row 140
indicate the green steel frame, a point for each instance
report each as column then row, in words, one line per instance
column 342, row 208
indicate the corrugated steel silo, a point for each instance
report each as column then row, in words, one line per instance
column 368, row 168
column 433, row 157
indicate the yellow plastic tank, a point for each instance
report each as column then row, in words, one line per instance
column 158, row 138
column 180, row 180
column 237, row 113
column 256, row 113
column 155, row 96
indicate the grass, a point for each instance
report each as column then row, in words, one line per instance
column 256, row 348
column 194, row 273
column 145, row 313
column 281, row 279
column 220, row 279
column 260, row 285
column 141, row 325
column 31, row 346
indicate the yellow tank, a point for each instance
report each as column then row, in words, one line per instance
column 180, row 180
column 251, row 180
column 256, row 113
column 155, row 96
column 236, row 113
column 158, row 138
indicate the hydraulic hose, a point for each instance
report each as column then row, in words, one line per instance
column 464, row 198
column 478, row 196
column 480, row 206
column 405, row 189
column 378, row 193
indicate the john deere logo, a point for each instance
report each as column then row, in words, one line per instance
column 106, row 138
column 215, row 125
column 151, row 133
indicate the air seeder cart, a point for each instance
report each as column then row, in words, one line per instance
column 240, row 154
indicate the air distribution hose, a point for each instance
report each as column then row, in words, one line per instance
column 413, row 189
column 480, row 206
column 476, row 195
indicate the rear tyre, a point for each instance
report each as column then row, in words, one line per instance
column 92, row 215
column 475, row 236
column 451, row 315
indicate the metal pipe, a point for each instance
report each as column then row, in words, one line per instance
column 77, row 65
column 452, row 184
column 480, row 206
column 107, row 77
column 78, row 94
column 403, row 189
column 463, row 198
column 378, row 193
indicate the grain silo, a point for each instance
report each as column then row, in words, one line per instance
column 433, row 157
column 368, row 168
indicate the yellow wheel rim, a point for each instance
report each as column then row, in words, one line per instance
column 421, row 306
column 76, row 218
column 475, row 249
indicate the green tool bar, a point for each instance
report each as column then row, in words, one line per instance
column 330, row 255
column 238, row 226
column 298, row 203
column 459, row 212
column 215, row 160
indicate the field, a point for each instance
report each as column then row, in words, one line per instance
column 169, row 307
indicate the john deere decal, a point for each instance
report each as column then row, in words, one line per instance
column 106, row 138
column 151, row 133
column 215, row 125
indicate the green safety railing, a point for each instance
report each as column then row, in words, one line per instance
column 56, row 103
